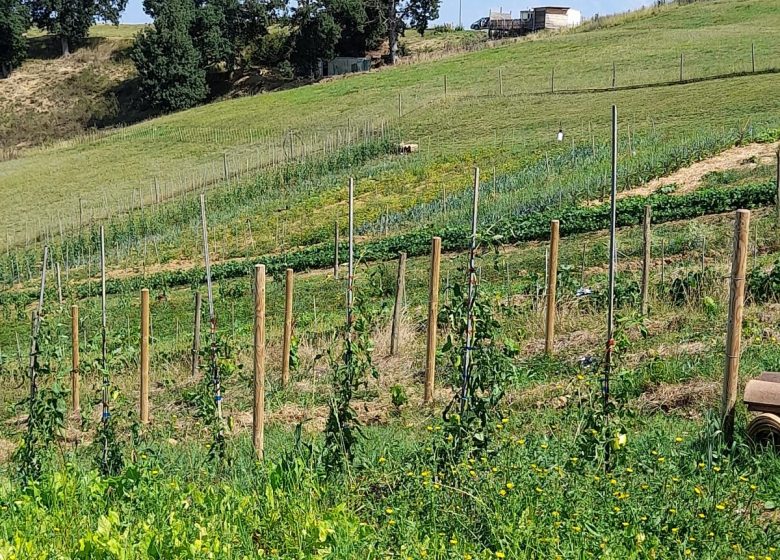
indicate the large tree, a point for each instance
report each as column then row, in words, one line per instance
column 362, row 23
column 222, row 29
column 405, row 14
column 171, row 72
column 13, row 45
column 70, row 20
column 314, row 38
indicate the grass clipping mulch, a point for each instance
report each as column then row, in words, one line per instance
column 689, row 399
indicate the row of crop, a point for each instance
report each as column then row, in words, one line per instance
column 559, row 178
column 532, row 227
column 157, row 222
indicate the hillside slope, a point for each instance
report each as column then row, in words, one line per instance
column 50, row 97
column 472, row 122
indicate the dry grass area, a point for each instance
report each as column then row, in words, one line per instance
column 49, row 98
column 689, row 399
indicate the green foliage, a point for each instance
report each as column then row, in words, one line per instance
column 350, row 373
column 602, row 434
column 70, row 21
column 314, row 39
column 398, row 396
column 13, row 44
column 363, row 25
column 763, row 285
column 202, row 396
column 419, row 13
column 689, row 287
column 533, row 227
column 628, row 291
column 295, row 358
column 109, row 456
column 46, row 405
column 271, row 49
column 210, row 32
column 471, row 422
column 170, row 68
column 625, row 326
column 46, row 424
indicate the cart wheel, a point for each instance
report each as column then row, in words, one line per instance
column 765, row 429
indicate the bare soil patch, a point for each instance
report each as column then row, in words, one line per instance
column 689, row 178
column 7, row 449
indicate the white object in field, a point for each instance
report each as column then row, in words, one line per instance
column 405, row 148
column 574, row 17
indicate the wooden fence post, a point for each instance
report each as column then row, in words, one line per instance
column 74, row 374
column 445, row 87
column 552, row 81
column 196, row 336
column 288, row 326
column 400, row 290
column 433, row 315
column 500, row 83
column 753, row 56
column 258, row 411
column 734, row 332
column 144, row 405
column 614, row 75
column 646, row 248
column 682, row 58
column 552, row 283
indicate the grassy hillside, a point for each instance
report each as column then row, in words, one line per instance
column 187, row 147
column 556, row 479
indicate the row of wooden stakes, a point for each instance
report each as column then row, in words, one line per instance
column 737, row 291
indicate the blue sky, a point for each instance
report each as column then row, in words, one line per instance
column 472, row 9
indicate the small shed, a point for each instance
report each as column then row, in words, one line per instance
column 345, row 65
column 555, row 17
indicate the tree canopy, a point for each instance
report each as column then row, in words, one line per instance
column 13, row 45
column 191, row 39
column 70, row 20
column 170, row 67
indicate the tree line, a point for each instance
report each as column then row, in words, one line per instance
column 191, row 38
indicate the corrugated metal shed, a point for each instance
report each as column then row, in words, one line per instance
column 345, row 65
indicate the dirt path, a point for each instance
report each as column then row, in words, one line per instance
column 689, row 178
